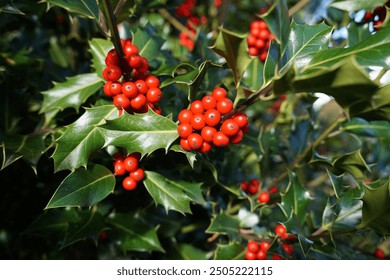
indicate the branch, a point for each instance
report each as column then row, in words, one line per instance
column 177, row 24
column 297, row 7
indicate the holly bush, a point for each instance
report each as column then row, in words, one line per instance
column 299, row 170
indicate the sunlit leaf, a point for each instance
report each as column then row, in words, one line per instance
column 224, row 224
column 86, row 8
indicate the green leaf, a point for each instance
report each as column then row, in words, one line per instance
column 253, row 76
column 148, row 44
column 82, row 138
column 296, row 198
column 231, row 251
column 356, row 5
column 278, row 21
column 86, row 8
column 357, row 34
column 172, row 194
column 133, row 234
column 234, row 48
column 303, row 43
column 361, row 127
column 224, row 224
column 190, row 252
column 89, row 225
column 370, row 52
column 142, row 133
column 376, row 208
column 83, row 188
column 72, row 93
column 28, row 147
column 10, row 8
column 99, row 49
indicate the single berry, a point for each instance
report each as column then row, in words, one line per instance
column 237, row 138
column 129, row 183
column 209, row 102
column 119, row 168
column 134, row 61
column 230, row 127
column 154, row 95
column 152, row 81
column 264, row 246
column 138, row 175
column 206, row 147
column 276, row 257
column 115, row 88
column 184, row 130
column 220, row 139
column 212, row 117
column 112, row 58
column 264, row 197
column 261, row 255
column 196, row 107
column 219, row 93
column 253, row 246
column 379, row 254
column 250, row 256
column 185, row 116
column 131, row 163
column 112, row 73
column 129, row 89
column 184, row 144
column 138, row 102
column 288, row 248
column 224, row 106
column 281, row 231
column 198, row 121
column 142, row 87
column 195, row 141
column 121, row 101
column 207, row 133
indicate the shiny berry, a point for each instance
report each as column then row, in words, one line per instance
column 224, row 106
column 184, row 144
column 261, row 255
column 195, row 141
column 219, row 93
column 198, row 121
column 119, row 168
column 112, row 73
column 212, row 117
column 250, row 256
column 253, row 246
column 152, row 81
column 196, row 107
column 281, row 231
column 230, row 127
column 207, row 133
column 112, row 58
column 220, row 139
column 264, row 197
column 138, row 102
column 129, row 89
column 185, row 116
column 138, row 175
column 129, row 183
column 154, row 95
column 131, row 163
column 184, row 130
column 121, row 101
column 209, row 102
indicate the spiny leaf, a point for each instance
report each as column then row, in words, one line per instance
column 231, row 251
column 356, row 5
column 83, row 188
column 172, row 194
column 224, row 224
column 82, row 138
column 233, row 47
column 190, row 252
column 142, row 133
column 86, row 8
column 358, row 126
column 71, row 93
column 133, row 234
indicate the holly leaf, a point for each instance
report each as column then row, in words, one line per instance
column 190, row 252
column 82, row 138
column 89, row 226
column 369, row 52
column 296, row 199
column 234, row 48
column 356, row 5
column 148, row 44
column 72, row 93
column 376, row 208
column 232, row 251
column 225, row 225
column 361, row 127
column 83, row 188
column 142, row 133
column 99, row 49
column 86, row 8
column 253, row 76
column 133, row 234
column 172, row 194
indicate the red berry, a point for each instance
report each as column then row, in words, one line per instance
column 142, row 87
column 107, row 89
column 261, row 255
column 276, row 257
column 253, row 51
column 138, row 175
column 230, row 127
column 196, row 107
column 185, row 116
column 253, row 189
column 152, row 81
column 209, row 102
column 134, row 61
column 131, row 163
column 154, row 95
column 195, row 141
column 129, row 89
column 224, row 106
column 378, row 253
column 237, row 138
column 212, row 117
column 130, row 49
column 253, row 246
column 119, row 168
column 184, row 144
column 250, row 256
column 207, row 133
column 288, row 248
column 244, row 186
column 281, row 231
column 206, row 147
column 138, row 102
column 115, row 88
column 198, row 121
column 264, row 246
column 264, row 197
column 220, row 139
column 184, row 130
column 112, row 58
column 121, row 101
column 129, row 183
column 219, row 93
column 112, row 73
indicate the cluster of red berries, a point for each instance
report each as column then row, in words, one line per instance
column 203, row 124
column 186, row 39
column 129, row 165
column 252, row 187
column 258, row 251
column 131, row 86
column 259, row 39
column 377, row 16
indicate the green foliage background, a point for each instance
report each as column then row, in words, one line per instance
column 58, row 133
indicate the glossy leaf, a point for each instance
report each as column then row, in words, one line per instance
column 133, row 234
column 86, row 8
column 369, row 52
column 83, row 188
column 376, row 208
column 142, row 133
column 89, row 225
column 231, row 251
column 172, row 194
column 148, row 44
column 233, row 47
column 82, row 138
column 356, row 5
column 224, row 224
column 72, row 93
column 296, row 198
column 253, row 76
column 99, row 49
column 190, row 252
column 361, row 127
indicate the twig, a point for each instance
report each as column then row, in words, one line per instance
column 177, row 24
column 297, row 7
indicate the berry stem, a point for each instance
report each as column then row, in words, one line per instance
column 116, row 40
column 177, row 24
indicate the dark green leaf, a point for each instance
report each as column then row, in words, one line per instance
column 142, row 133
column 72, row 93
column 231, row 251
column 379, row 129
column 133, row 234
column 357, row 34
column 190, row 252
column 233, row 47
column 376, row 208
column 224, row 224
column 86, row 8
column 271, row 63
column 9, row 7
column 99, row 49
column 253, row 76
column 148, row 44
column 356, row 5
column 172, row 194
column 89, row 225
column 83, row 188
column 82, row 138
